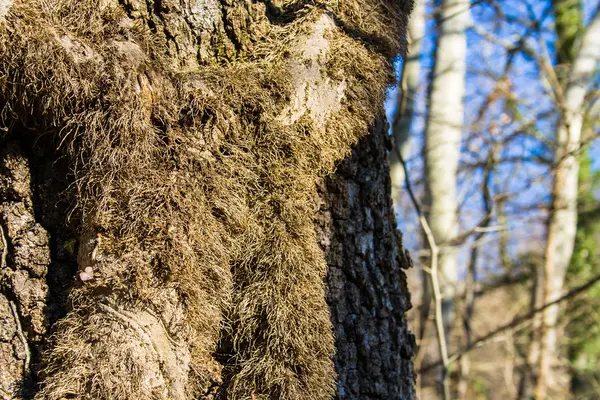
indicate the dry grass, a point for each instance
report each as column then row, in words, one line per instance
column 203, row 198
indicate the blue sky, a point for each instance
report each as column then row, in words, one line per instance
column 528, row 181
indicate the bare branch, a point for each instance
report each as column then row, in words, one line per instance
column 433, row 272
column 514, row 323
column 4, row 249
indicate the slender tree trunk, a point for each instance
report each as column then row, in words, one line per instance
column 562, row 225
column 469, row 296
column 442, row 139
column 405, row 101
column 401, row 127
column 442, row 148
column 170, row 244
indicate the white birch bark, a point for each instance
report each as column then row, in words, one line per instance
column 442, row 139
column 562, row 225
column 405, row 102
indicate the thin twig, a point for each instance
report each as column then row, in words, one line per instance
column 550, row 74
column 469, row 297
column 515, row 322
column 435, row 285
column 486, row 229
column 4, row 249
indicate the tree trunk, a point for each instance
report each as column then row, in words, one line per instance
column 170, row 243
column 367, row 287
column 442, row 149
column 442, row 140
column 405, row 102
column 562, row 224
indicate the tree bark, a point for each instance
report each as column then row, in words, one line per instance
column 190, row 138
column 562, row 223
column 405, row 101
column 366, row 282
column 24, row 267
column 442, row 140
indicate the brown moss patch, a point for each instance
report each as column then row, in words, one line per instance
column 196, row 192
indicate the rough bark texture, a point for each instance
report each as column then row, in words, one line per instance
column 37, row 256
column 24, row 266
column 192, row 135
column 367, row 293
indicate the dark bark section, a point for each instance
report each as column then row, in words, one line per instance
column 368, row 296
column 24, row 259
column 37, row 249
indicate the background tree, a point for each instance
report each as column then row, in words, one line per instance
column 583, row 327
column 442, row 141
column 518, row 74
column 406, row 98
column 562, row 223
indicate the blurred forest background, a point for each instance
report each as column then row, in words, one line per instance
column 496, row 120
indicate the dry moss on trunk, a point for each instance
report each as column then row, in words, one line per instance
column 200, row 270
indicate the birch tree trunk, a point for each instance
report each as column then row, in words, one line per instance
column 162, row 201
column 562, row 224
column 405, row 101
column 442, row 140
